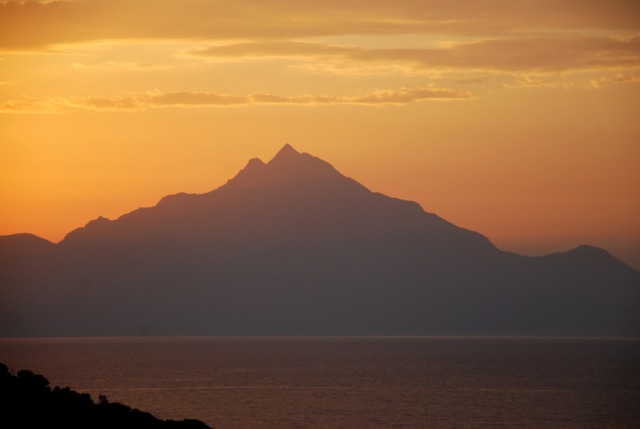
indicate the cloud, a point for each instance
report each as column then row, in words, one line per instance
column 187, row 99
column 32, row 105
column 151, row 100
column 378, row 97
column 338, row 38
column 618, row 78
column 545, row 54
column 406, row 41
column 405, row 96
column 39, row 24
column 531, row 54
column 110, row 66
column 275, row 49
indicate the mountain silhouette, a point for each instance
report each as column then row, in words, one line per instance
column 293, row 247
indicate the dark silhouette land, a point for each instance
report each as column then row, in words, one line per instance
column 293, row 247
column 27, row 401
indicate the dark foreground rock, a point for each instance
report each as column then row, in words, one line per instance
column 27, row 401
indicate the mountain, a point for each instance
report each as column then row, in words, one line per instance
column 293, row 247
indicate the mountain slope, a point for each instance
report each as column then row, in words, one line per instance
column 294, row 247
column 293, row 197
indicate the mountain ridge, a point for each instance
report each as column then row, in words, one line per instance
column 293, row 247
column 287, row 170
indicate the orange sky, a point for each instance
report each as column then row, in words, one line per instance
column 515, row 119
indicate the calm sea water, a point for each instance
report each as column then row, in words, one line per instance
column 351, row 382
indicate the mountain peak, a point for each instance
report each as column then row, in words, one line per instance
column 287, row 152
column 288, row 166
column 254, row 164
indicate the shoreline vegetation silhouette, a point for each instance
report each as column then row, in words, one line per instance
column 27, row 400
column 293, row 247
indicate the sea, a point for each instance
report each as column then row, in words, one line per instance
column 351, row 382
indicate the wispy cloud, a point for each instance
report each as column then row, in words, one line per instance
column 541, row 54
column 110, row 66
column 275, row 49
column 522, row 43
column 618, row 78
column 190, row 99
column 37, row 24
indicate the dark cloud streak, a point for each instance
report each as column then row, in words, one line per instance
column 37, row 25
column 546, row 54
column 187, row 99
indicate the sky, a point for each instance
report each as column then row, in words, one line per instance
column 516, row 119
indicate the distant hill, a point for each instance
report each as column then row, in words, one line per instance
column 27, row 401
column 293, row 247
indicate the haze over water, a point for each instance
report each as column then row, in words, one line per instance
column 351, row 382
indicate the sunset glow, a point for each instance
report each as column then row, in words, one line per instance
column 518, row 120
